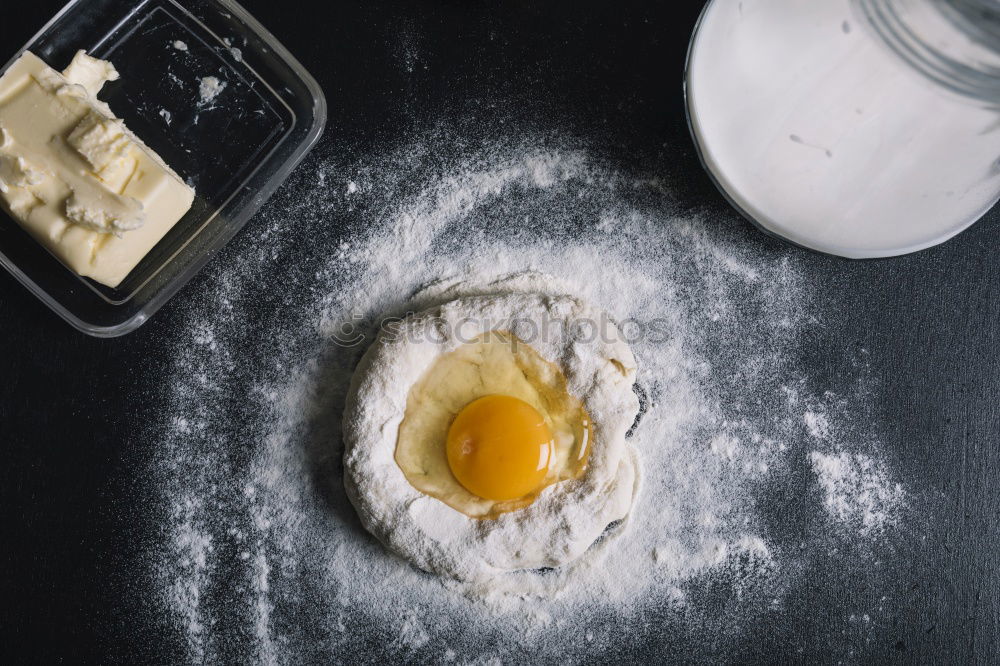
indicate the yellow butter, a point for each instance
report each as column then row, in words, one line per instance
column 75, row 177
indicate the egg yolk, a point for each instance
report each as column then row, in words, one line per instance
column 499, row 448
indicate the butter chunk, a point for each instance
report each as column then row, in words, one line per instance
column 108, row 215
column 75, row 177
column 102, row 142
column 91, row 73
column 15, row 171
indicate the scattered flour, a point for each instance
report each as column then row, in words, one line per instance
column 167, row 116
column 191, row 548
column 264, row 557
column 180, row 46
column 858, row 490
column 817, row 424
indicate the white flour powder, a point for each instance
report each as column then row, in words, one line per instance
column 857, row 490
column 264, row 558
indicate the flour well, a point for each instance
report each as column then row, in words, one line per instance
column 567, row 517
column 264, row 558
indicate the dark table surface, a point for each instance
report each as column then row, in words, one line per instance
column 71, row 407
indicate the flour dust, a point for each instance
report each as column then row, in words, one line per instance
column 749, row 471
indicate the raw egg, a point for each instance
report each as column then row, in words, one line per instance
column 489, row 426
column 499, row 448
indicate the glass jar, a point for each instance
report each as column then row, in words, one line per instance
column 861, row 128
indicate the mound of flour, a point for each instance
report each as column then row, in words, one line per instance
column 263, row 557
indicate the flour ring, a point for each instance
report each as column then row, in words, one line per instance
column 567, row 517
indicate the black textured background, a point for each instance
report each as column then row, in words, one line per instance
column 72, row 408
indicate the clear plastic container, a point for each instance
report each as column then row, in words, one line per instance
column 235, row 150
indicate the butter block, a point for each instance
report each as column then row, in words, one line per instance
column 75, row 177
